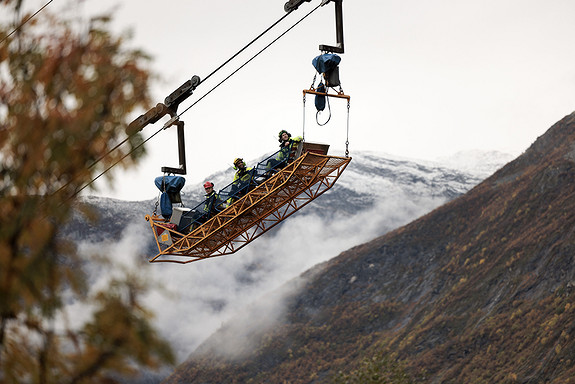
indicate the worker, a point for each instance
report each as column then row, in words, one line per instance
column 212, row 203
column 242, row 179
column 287, row 146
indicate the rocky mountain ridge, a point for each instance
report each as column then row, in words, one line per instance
column 478, row 290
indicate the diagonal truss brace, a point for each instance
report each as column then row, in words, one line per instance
column 254, row 214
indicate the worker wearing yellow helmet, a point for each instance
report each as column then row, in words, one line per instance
column 243, row 173
column 242, row 178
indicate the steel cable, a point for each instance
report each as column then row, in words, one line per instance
column 197, row 101
column 25, row 21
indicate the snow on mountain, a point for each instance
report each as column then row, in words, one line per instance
column 480, row 163
column 374, row 195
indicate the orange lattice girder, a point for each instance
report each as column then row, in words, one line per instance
column 258, row 211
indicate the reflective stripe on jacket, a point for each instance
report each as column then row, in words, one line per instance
column 211, row 201
column 243, row 175
column 285, row 151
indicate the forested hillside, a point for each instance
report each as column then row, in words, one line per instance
column 480, row 290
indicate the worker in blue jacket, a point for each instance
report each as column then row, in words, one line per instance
column 212, row 203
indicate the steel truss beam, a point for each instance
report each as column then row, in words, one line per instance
column 257, row 212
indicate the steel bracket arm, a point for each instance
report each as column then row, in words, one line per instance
column 339, row 48
column 172, row 102
column 181, row 170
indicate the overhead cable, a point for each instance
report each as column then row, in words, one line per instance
column 201, row 98
column 249, row 60
column 25, row 21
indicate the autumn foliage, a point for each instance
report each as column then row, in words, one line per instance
column 66, row 92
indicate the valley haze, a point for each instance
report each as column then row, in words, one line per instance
column 375, row 194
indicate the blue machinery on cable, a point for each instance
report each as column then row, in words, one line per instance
column 272, row 193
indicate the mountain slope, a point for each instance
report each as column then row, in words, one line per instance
column 375, row 194
column 477, row 291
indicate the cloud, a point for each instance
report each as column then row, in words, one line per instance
column 211, row 292
column 193, row 301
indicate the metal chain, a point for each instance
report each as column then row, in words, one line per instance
column 156, row 206
column 303, row 128
column 347, row 138
column 313, row 81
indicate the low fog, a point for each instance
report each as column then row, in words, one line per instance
column 194, row 300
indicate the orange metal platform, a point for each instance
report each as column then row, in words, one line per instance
column 258, row 211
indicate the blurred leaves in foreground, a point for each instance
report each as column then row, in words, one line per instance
column 67, row 88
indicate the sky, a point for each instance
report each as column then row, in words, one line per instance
column 427, row 79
